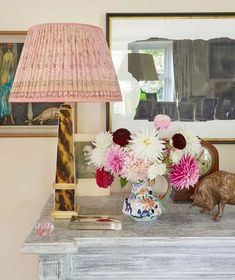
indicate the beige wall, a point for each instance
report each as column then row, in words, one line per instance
column 27, row 165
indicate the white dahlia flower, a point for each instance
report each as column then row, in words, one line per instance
column 193, row 145
column 176, row 156
column 156, row 169
column 103, row 140
column 147, row 145
column 98, row 157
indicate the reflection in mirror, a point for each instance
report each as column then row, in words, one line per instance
column 193, row 58
column 190, row 74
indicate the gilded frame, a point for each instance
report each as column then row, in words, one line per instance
column 112, row 18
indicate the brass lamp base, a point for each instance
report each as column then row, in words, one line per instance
column 63, row 214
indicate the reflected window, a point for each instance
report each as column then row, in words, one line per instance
column 162, row 52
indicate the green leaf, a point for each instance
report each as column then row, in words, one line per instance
column 123, row 182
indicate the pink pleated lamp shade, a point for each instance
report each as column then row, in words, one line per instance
column 65, row 62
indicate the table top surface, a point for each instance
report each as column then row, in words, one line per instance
column 178, row 222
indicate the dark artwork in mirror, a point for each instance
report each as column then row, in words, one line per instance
column 222, row 59
column 181, row 65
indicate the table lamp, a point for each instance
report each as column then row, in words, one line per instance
column 142, row 67
column 65, row 62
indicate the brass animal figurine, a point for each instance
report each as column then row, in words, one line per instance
column 217, row 188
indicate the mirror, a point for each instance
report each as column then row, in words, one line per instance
column 175, row 64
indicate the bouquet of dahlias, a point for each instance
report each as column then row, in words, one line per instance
column 143, row 155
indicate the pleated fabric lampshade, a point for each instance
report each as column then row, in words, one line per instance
column 65, row 62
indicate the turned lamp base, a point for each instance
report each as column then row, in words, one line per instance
column 64, row 186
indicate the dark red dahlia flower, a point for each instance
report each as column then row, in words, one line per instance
column 121, row 136
column 103, row 178
column 179, row 142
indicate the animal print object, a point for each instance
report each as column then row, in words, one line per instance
column 65, row 167
column 65, row 200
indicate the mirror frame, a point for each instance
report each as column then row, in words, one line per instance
column 113, row 16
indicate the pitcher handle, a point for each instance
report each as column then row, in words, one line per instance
column 164, row 196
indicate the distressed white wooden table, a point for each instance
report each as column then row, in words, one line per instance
column 181, row 244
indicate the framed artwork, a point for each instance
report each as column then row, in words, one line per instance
column 179, row 64
column 85, row 171
column 220, row 66
column 21, row 119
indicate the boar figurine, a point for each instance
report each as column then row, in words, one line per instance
column 217, row 188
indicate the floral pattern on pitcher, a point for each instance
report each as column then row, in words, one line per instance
column 141, row 204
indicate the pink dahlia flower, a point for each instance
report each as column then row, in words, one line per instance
column 161, row 121
column 115, row 159
column 103, row 178
column 135, row 168
column 185, row 173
